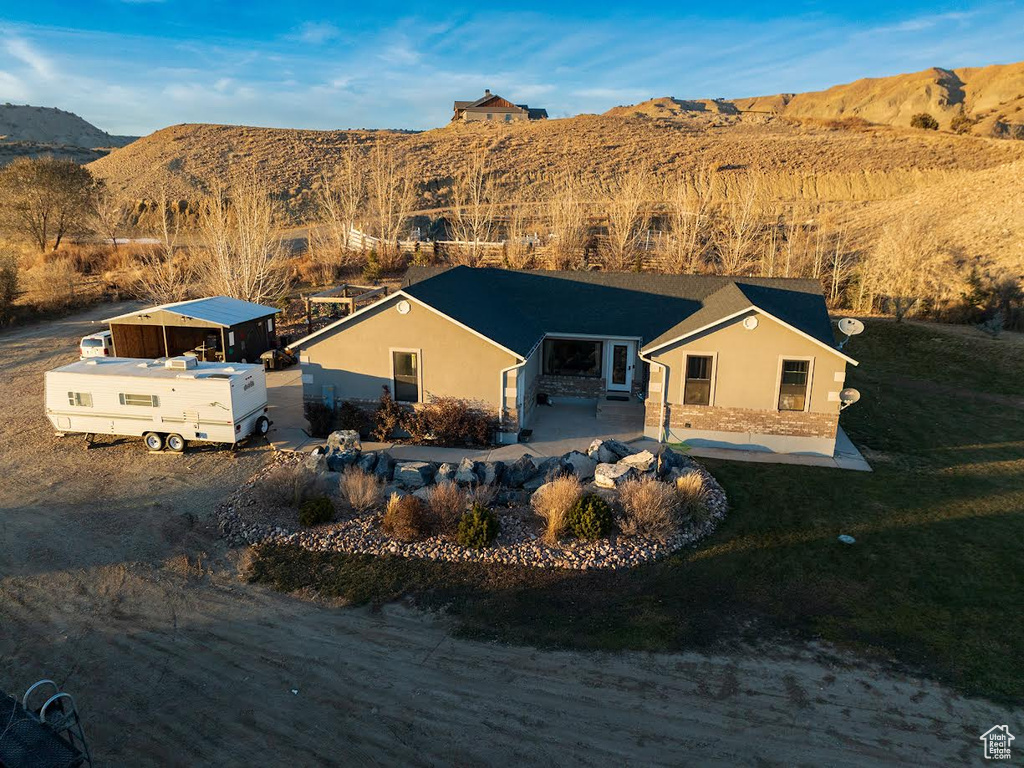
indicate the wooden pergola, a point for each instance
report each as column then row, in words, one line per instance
column 349, row 297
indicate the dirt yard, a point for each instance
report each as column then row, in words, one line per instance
column 114, row 583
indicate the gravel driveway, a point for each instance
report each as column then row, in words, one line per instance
column 113, row 582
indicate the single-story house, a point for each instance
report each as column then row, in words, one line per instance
column 217, row 328
column 493, row 108
column 719, row 361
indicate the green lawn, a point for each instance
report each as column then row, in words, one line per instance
column 934, row 581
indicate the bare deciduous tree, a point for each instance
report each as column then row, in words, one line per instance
column 627, row 211
column 740, row 224
column 109, row 212
column 905, row 266
column 237, row 243
column 569, row 220
column 342, row 204
column 520, row 242
column 44, row 199
column 689, row 216
column 471, row 218
column 391, row 196
column 164, row 276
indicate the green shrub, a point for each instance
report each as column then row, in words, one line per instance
column 961, row 123
column 316, row 511
column 372, row 270
column 320, row 418
column 478, row 528
column 925, row 121
column 590, row 517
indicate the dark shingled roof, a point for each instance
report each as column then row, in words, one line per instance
column 516, row 309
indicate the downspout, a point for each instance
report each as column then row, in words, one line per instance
column 664, row 393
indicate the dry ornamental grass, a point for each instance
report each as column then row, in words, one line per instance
column 447, row 503
column 650, row 508
column 360, row 490
column 553, row 501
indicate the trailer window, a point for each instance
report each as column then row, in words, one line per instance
column 149, row 401
column 81, row 399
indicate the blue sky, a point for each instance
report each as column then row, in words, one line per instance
column 133, row 66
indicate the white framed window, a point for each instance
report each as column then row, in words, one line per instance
column 406, row 375
column 231, row 338
column 270, row 323
column 793, row 387
column 490, row 116
column 697, row 381
column 147, row 401
column 80, row 399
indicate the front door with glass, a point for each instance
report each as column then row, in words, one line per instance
column 620, row 366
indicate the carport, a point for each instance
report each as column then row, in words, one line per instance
column 215, row 328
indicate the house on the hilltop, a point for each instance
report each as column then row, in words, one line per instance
column 715, row 361
column 492, row 107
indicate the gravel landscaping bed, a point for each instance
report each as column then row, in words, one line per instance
column 246, row 518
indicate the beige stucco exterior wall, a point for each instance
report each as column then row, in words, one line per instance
column 746, row 371
column 356, row 357
column 473, row 115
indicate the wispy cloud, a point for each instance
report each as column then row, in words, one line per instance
column 405, row 72
column 315, row 32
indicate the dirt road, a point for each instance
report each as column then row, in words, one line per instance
column 113, row 582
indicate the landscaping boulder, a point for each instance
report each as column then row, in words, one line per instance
column 491, row 472
column 582, row 465
column 385, row 469
column 316, row 461
column 534, row 483
column 446, row 473
column 520, row 471
column 619, row 448
column 367, row 461
column 423, row 494
column 394, row 490
column 344, row 440
column 338, row 461
column 601, row 454
column 553, row 468
column 613, row 475
column 644, row 462
column 467, row 473
column 414, row 474
column 669, row 460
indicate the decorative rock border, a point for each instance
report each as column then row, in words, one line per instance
column 516, row 544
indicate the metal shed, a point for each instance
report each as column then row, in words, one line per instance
column 215, row 328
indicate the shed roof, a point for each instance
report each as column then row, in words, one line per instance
column 516, row 309
column 222, row 311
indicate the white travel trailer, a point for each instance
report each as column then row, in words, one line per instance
column 167, row 402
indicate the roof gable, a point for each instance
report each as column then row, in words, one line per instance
column 516, row 309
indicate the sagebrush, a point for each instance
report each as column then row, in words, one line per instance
column 406, row 519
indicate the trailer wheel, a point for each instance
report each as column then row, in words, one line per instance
column 262, row 426
column 154, row 441
column 176, row 443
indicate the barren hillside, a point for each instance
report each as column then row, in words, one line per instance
column 809, row 162
column 992, row 96
column 34, row 131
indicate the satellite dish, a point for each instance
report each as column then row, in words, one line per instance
column 848, row 397
column 851, row 326
column 750, row 323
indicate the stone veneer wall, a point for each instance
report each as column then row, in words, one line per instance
column 571, row 386
column 743, row 420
